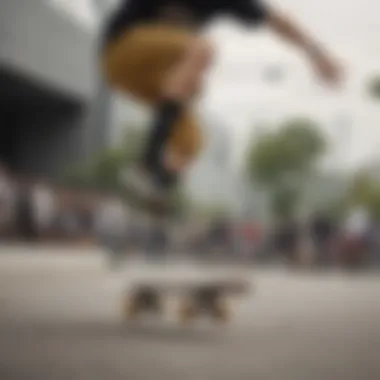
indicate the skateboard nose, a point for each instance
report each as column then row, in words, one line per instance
column 243, row 287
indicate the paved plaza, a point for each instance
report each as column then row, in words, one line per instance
column 60, row 319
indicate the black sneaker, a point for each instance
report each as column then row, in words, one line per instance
column 144, row 185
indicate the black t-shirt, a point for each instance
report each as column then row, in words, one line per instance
column 194, row 13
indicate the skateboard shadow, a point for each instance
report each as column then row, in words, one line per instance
column 116, row 331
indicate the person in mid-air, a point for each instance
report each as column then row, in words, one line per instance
column 155, row 51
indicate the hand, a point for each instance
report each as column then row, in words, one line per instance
column 327, row 68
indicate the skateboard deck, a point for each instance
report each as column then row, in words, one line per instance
column 184, row 299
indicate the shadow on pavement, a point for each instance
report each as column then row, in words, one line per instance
column 151, row 333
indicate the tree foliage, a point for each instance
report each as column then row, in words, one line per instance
column 292, row 150
column 103, row 170
column 365, row 192
column 284, row 201
column 374, row 87
column 279, row 160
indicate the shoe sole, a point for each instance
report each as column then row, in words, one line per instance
column 142, row 202
column 135, row 181
column 140, row 195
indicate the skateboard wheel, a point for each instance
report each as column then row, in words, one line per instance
column 149, row 300
column 143, row 301
column 187, row 311
column 221, row 312
column 131, row 310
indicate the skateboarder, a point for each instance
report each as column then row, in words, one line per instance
column 155, row 51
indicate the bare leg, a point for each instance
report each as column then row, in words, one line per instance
column 179, row 88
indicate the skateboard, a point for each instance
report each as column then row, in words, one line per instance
column 186, row 301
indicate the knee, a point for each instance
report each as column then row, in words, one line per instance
column 201, row 53
column 187, row 138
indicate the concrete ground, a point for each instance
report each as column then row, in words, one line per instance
column 60, row 319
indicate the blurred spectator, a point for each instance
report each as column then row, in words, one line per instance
column 355, row 231
column 67, row 222
column 111, row 224
column 7, row 202
column 376, row 245
column 322, row 233
column 85, row 206
column 219, row 234
column 286, row 241
column 373, row 239
column 25, row 222
column 251, row 235
column 157, row 239
column 44, row 208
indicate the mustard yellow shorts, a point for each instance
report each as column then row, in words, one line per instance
column 139, row 61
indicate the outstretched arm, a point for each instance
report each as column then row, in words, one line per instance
column 256, row 11
column 325, row 66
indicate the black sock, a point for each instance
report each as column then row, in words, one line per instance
column 167, row 180
column 166, row 116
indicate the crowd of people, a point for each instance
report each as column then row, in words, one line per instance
column 34, row 210
column 320, row 241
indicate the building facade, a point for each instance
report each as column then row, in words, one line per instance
column 48, row 84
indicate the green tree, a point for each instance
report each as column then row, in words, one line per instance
column 280, row 161
column 104, row 169
column 361, row 188
column 284, row 201
column 365, row 192
column 374, row 87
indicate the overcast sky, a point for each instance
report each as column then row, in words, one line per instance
column 350, row 29
column 238, row 95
